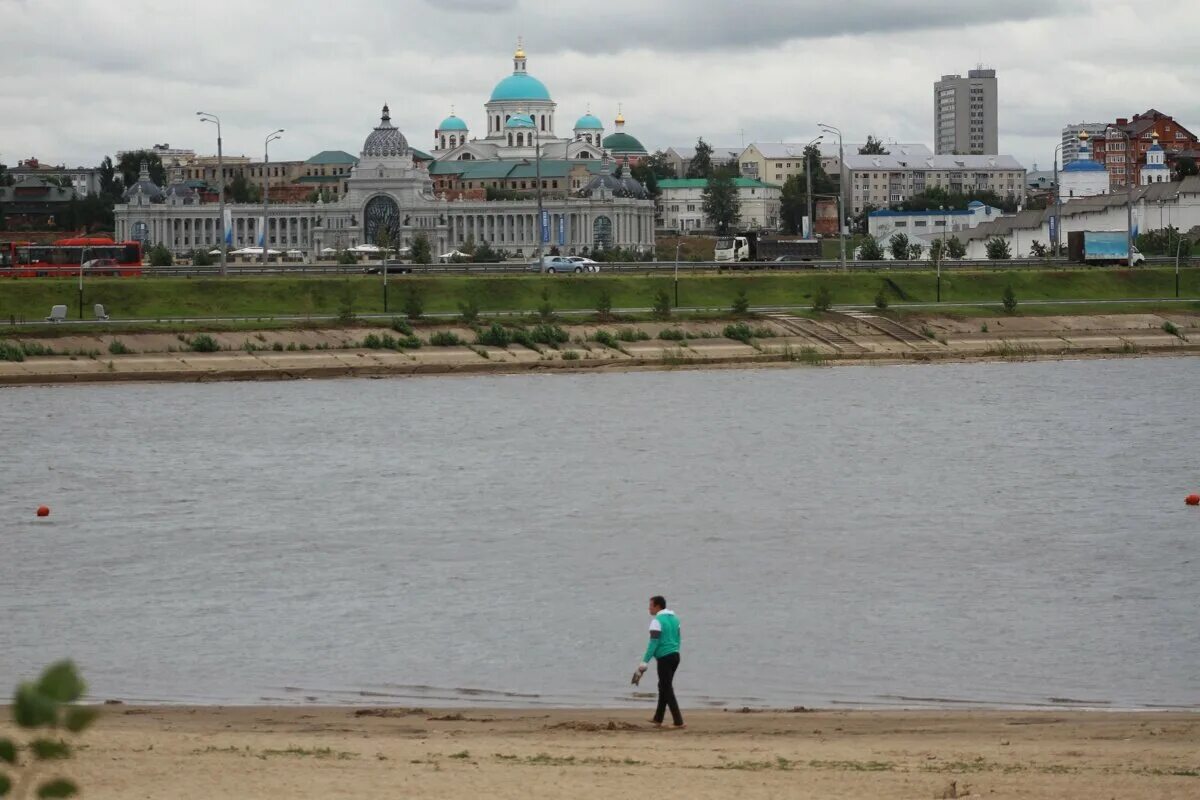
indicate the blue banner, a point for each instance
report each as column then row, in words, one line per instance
column 562, row 229
column 1053, row 228
column 545, row 226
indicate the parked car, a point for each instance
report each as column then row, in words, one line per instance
column 586, row 263
column 394, row 267
column 555, row 264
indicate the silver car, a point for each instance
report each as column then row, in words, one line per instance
column 556, row 264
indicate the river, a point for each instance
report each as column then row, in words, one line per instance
column 1009, row 534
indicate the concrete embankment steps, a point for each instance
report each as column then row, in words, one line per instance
column 895, row 330
column 815, row 330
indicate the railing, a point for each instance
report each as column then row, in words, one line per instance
column 518, row 268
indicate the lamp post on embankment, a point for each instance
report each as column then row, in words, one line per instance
column 213, row 118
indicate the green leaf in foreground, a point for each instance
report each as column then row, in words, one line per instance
column 8, row 751
column 80, row 718
column 61, row 682
column 60, row 787
column 5, row 785
column 31, row 708
column 50, row 749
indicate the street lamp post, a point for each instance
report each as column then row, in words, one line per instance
column 808, row 181
column 213, row 118
column 83, row 254
column 1057, row 204
column 267, row 187
column 841, row 190
column 678, row 244
column 537, row 168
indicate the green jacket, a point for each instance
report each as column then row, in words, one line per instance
column 664, row 635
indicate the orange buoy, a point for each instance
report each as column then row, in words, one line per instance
column 43, row 511
column 1192, row 500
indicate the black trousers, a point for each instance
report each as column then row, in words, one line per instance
column 666, row 689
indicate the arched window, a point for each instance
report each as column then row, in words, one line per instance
column 443, row 142
column 602, row 233
column 510, row 141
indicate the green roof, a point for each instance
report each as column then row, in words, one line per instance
column 472, row 170
column 700, row 183
column 623, row 143
column 420, row 155
column 332, row 157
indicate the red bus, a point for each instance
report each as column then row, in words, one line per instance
column 100, row 255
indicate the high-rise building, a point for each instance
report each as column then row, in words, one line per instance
column 1070, row 138
column 964, row 114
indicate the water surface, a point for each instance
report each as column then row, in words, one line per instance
column 988, row 533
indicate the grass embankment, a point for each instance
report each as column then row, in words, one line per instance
column 165, row 298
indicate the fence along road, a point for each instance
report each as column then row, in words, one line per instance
column 645, row 267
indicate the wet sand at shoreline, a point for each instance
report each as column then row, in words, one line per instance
column 261, row 752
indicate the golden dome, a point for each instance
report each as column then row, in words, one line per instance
column 1083, row 136
column 520, row 49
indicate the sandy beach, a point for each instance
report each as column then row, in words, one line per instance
column 261, row 752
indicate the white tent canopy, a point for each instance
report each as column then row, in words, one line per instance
column 454, row 254
column 326, row 250
column 366, row 248
column 253, row 251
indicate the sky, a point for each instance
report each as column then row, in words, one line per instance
column 81, row 79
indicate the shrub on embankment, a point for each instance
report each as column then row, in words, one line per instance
column 164, row 298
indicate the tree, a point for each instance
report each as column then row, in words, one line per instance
column 6, row 179
column 46, row 704
column 239, row 190
column 650, row 170
column 110, row 183
column 421, row 251
column 721, row 204
column 937, row 249
column 1185, row 166
column 160, row 256
column 955, row 248
column 898, row 244
column 870, row 250
column 483, row 253
column 792, row 204
column 858, row 222
column 1009, row 300
column 822, row 299
column 873, row 147
column 914, row 250
column 701, row 165
column 201, row 258
column 998, row 249
column 130, row 166
column 662, row 305
column 1037, row 249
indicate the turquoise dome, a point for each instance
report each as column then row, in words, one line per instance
column 452, row 123
column 520, row 86
column 589, row 122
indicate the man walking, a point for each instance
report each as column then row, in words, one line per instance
column 664, row 645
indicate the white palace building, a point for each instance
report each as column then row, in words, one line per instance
column 404, row 191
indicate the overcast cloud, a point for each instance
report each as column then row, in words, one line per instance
column 80, row 79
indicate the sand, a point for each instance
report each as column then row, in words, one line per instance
column 324, row 752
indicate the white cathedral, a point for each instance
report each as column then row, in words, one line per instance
column 444, row 194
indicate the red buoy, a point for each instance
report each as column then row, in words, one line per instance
column 1192, row 500
column 43, row 511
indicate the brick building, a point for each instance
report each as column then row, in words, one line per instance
column 1123, row 145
